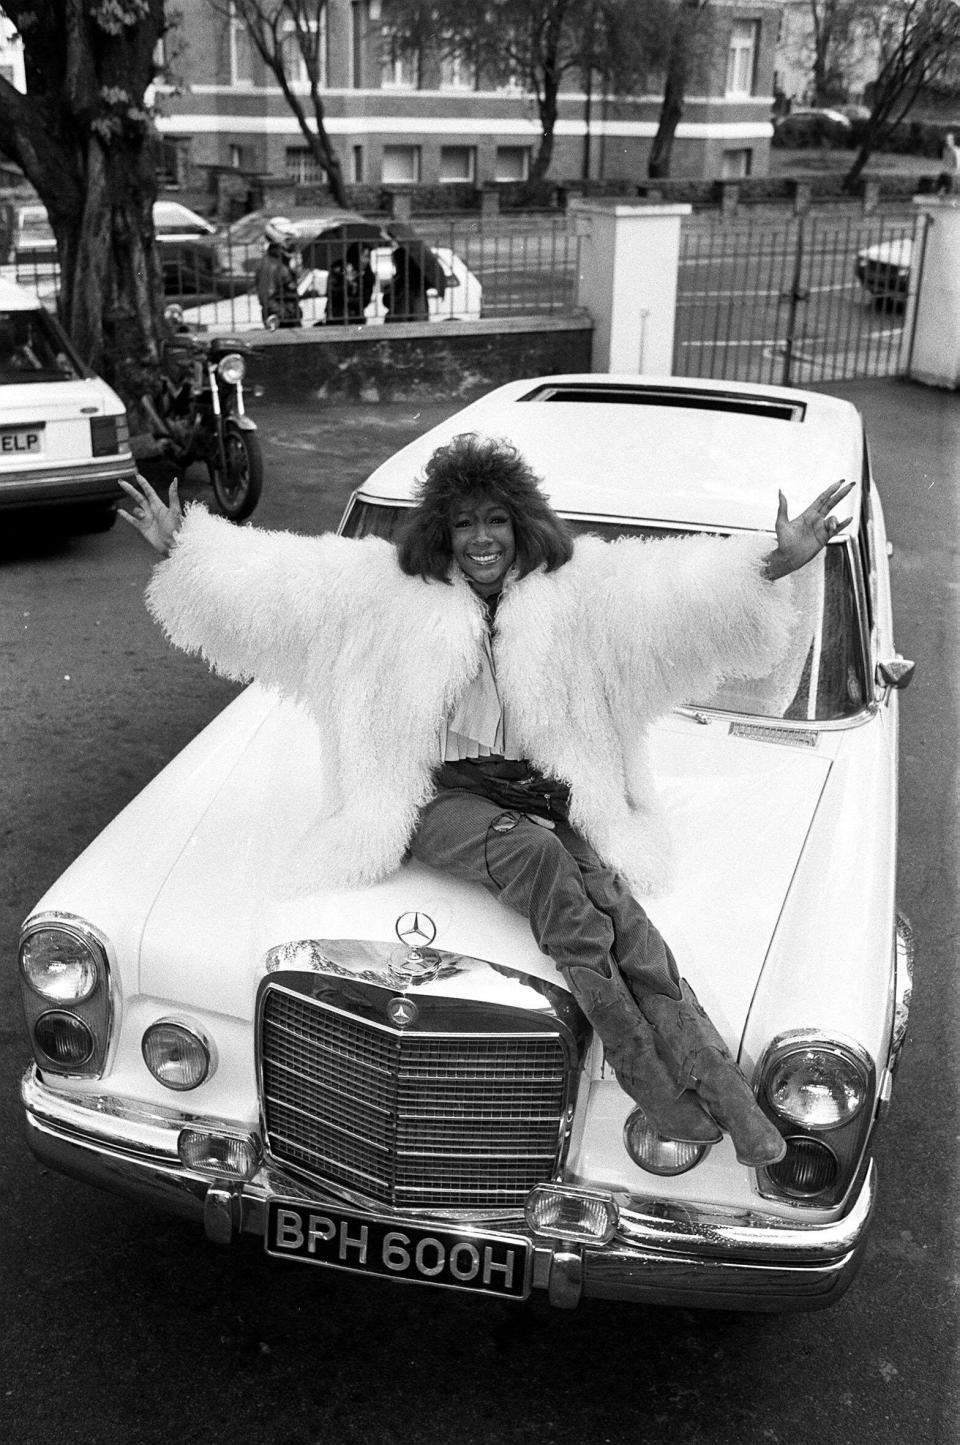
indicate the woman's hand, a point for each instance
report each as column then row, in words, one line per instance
column 158, row 523
column 799, row 539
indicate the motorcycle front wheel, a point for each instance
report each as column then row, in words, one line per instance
column 237, row 489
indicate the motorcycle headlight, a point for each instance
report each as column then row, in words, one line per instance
column 817, row 1088
column 232, row 368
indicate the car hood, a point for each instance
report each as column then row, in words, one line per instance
column 740, row 809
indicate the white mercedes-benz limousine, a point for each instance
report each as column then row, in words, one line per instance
column 393, row 1080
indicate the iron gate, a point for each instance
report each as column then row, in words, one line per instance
column 816, row 298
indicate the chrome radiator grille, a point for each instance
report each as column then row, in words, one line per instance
column 405, row 1118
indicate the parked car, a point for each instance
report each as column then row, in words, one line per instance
column 812, row 126
column 393, row 1080
column 884, row 270
column 184, row 239
column 64, row 440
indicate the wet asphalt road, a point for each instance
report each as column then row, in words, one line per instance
column 120, row 1326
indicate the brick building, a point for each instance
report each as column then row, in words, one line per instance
column 397, row 122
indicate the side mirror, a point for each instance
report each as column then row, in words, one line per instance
column 897, row 672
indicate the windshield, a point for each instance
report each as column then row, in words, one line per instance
column 821, row 681
column 33, row 348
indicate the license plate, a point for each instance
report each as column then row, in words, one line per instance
column 21, row 441
column 398, row 1249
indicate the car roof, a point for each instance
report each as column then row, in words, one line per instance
column 17, row 298
column 175, row 212
column 671, row 450
column 302, row 218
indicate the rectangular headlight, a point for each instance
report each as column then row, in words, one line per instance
column 584, row 1216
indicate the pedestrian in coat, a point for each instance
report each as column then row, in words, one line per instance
column 510, row 751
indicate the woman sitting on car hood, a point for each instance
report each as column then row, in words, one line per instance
column 483, row 692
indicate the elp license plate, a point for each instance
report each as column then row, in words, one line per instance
column 398, row 1249
column 21, row 441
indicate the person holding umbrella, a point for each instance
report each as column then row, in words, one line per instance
column 416, row 271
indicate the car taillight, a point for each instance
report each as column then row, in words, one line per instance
column 65, row 987
column 108, row 435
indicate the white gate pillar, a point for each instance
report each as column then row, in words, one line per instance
column 629, row 256
column 935, row 355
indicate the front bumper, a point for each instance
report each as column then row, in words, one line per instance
column 665, row 1254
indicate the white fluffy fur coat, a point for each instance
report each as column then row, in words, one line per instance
column 587, row 657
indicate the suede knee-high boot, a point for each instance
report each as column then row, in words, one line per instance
column 697, row 1057
column 630, row 1047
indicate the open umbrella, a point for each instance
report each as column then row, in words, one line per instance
column 331, row 245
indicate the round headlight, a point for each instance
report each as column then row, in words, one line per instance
column 654, row 1153
column 65, row 1039
column 175, row 1055
column 232, row 368
column 808, row 1169
column 816, row 1088
column 59, row 965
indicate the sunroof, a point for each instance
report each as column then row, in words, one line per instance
column 687, row 397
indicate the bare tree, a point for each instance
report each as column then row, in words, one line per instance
column 919, row 47
column 834, row 24
column 84, row 138
column 536, row 44
column 685, row 31
column 289, row 35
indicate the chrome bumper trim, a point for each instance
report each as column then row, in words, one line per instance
column 677, row 1255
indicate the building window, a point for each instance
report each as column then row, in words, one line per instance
column 512, row 163
column 399, row 68
column 241, row 51
column 457, row 73
column 401, row 165
column 302, row 166
column 174, row 162
column 735, row 165
column 238, row 158
column 457, row 163
column 358, row 165
column 742, row 57
column 295, row 64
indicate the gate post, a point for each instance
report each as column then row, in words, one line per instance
column 629, row 256
column 935, row 353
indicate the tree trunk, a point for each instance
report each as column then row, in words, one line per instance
column 658, row 163
column 111, row 291
column 83, row 138
column 329, row 163
column 547, row 107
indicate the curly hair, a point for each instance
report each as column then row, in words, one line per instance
column 470, row 466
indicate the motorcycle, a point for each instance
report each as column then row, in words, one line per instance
column 199, row 416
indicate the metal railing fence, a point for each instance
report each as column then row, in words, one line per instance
column 810, row 299
column 499, row 266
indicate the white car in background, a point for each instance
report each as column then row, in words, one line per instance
column 330, row 230
column 64, row 438
column 394, row 1080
